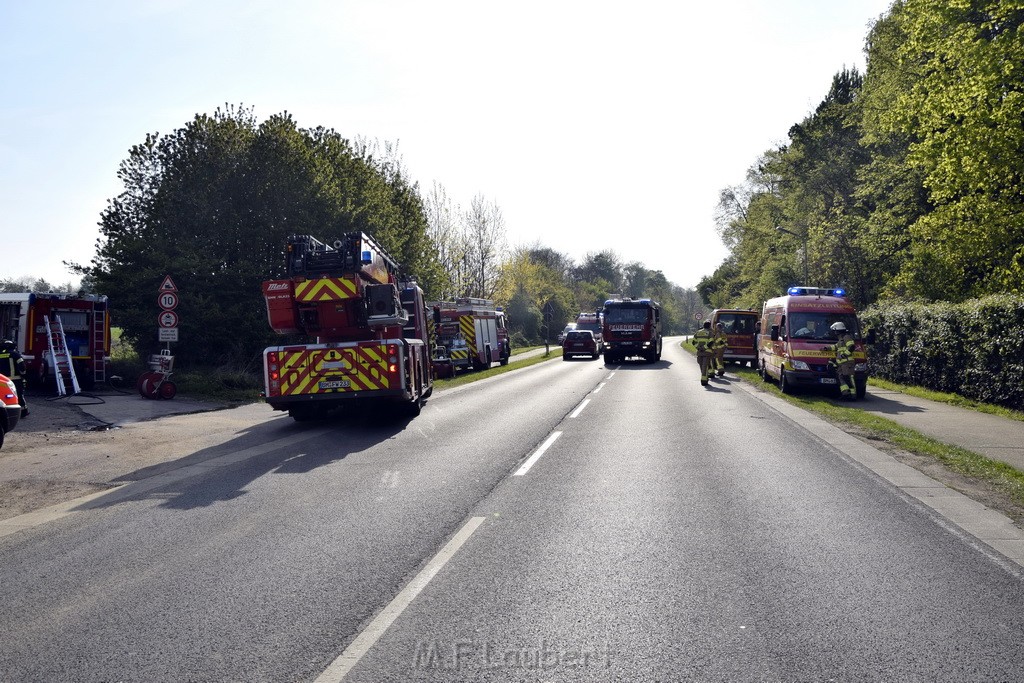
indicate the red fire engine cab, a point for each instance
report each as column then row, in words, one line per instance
column 632, row 327
column 472, row 331
column 368, row 328
column 48, row 328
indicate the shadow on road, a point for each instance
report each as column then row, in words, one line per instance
column 328, row 441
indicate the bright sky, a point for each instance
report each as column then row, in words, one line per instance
column 593, row 125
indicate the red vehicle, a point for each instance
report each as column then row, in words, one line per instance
column 593, row 322
column 796, row 339
column 367, row 326
column 11, row 412
column 580, row 343
column 85, row 322
column 632, row 327
column 740, row 327
column 472, row 331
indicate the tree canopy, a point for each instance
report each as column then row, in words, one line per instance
column 905, row 181
column 212, row 203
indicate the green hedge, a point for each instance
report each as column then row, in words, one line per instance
column 974, row 349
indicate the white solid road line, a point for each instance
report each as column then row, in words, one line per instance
column 579, row 408
column 536, row 454
column 340, row 667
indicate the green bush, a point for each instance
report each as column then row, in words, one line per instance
column 974, row 349
column 219, row 383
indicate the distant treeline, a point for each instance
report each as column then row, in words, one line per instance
column 213, row 202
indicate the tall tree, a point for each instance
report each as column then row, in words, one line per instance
column 486, row 242
column 445, row 231
column 529, row 280
column 212, row 203
column 959, row 103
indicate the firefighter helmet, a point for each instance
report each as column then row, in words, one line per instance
column 838, row 327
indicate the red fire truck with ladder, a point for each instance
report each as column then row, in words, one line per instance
column 632, row 327
column 64, row 338
column 479, row 324
column 367, row 324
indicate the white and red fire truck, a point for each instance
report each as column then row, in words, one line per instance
column 632, row 327
column 472, row 331
column 81, row 323
column 366, row 323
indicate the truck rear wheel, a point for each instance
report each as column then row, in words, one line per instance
column 414, row 407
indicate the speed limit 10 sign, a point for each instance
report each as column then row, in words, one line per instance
column 168, row 301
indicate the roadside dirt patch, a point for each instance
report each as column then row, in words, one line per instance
column 49, row 423
column 19, row 497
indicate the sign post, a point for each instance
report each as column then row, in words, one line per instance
column 156, row 383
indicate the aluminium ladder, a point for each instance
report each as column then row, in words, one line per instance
column 58, row 345
column 99, row 342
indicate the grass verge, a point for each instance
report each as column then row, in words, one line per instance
column 513, row 364
column 998, row 477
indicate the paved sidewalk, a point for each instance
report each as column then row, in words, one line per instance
column 995, row 437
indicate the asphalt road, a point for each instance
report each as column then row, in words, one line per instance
column 667, row 533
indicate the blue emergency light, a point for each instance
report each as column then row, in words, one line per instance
column 815, row 291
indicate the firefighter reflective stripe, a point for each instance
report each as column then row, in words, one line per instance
column 703, row 340
column 325, row 289
column 844, row 351
column 335, row 370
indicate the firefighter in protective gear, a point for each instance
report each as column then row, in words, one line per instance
column 704, row 339
column 720, row 342
column 13, row 365
column 843, row 362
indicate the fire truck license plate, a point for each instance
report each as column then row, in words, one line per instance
column 334, row 384
column 828, row 380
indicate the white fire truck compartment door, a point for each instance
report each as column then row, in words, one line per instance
column 486, row 334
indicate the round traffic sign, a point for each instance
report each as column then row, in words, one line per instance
column 167, row 300
column 167, row 319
